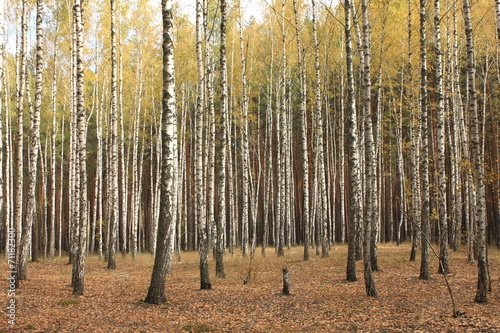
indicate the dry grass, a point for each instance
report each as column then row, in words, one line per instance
column 321, row 300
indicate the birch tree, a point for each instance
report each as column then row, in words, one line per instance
column 20, row 90
column 199, row 182
column 370, row 166
column 244, row 145
column 79, row 263
column 168, row 200
column 34, row 147
column 53, row 166
column 113, row 168
column 351, row 142
column 3, row 108
column 442, row 209
column 424, row 264
column 223, row 130
column 478, row 170
column 415, row 147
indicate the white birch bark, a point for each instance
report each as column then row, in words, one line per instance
column 351, row 138
column 244, row 145
column 424, row 264
column 478, row 170
column 20, row 90
column 79, row 264
column 53, row 165
column 199, row 179
column 156, row 292
column 268, row 193
column 34, row 148
column 225, row 147
column 303, row 118
column 442, row 207
column 3, row 108
column 135, row 196
column 121, row 146
column 113, row 215
column 61, row 181
column 371, row 182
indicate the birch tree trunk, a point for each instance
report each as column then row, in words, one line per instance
column 168, row 201
column 3, row 108
column 320, row 160
column 244, row 146
column 136, row 174
column 281, row 210
column 61, row 180
column 123, row 159
column 268, row 193
column 53, row 166
column 79, row 263
column 223, row 130
column 20, row 87
column 113, row 168
column 424, row 265
column 34, row 147
column 477, row 160
column 199, row 182
column 415, row 148
column 351, row 141
column 303, row 120
column 371, row 182
column 442, row 207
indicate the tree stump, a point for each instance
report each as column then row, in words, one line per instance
column 286, row 283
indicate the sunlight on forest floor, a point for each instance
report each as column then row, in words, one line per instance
column 321, row 300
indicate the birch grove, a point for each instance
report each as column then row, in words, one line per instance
column 301, row 125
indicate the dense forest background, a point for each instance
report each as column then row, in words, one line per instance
column 275, row 165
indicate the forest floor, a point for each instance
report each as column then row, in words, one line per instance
column 320, row 301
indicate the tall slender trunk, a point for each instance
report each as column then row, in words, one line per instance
column 424, row 266
column 34, row 147
column 136, row 183
column 168, row 201
column 3, row 108
column 303, row 120
column 113, row 170
column 79, row 263
column 370, row 165
column 199, row 179
column 221, row 219
column 351, row 138
column 53, row 166
column 415, row 147
column 282, row 142
column 123, row 159
column 442, row 207
column 478, row 170
column 61, row 190
column 268, row 193
column 20, row 87
column 244, row 146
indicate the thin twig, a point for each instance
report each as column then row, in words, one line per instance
column 456, row 313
